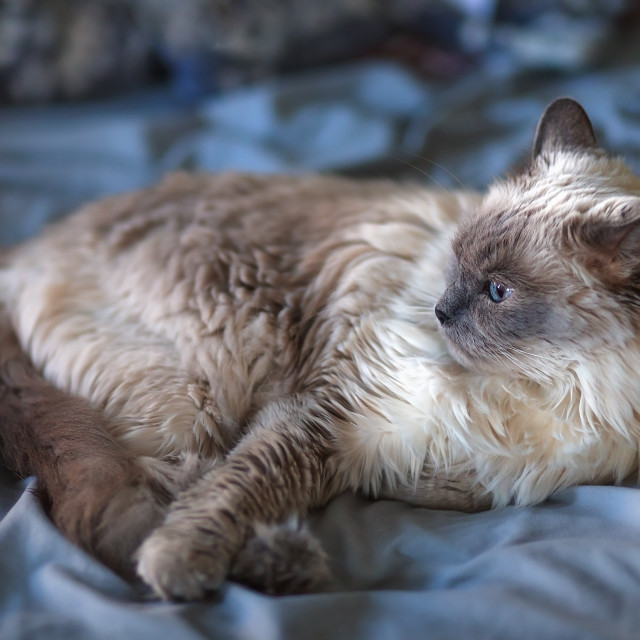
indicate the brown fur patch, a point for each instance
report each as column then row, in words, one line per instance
column 90, row 483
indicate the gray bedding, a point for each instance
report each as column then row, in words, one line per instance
column 569, row 568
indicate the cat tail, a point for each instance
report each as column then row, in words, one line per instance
column 95, row 492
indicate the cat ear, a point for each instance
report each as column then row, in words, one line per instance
column 564, row 125
column 612, row 247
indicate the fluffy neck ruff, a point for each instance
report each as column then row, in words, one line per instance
column 521, row 439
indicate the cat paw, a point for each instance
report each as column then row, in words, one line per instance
column 282, row 559
column 176, row 568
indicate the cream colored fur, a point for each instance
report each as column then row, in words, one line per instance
column 204, row 313
column 123, row 336
column 522, row 434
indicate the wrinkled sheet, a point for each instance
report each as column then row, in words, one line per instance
column 569, row 568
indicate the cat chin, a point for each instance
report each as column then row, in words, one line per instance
column 472, row 363
column 461, row 356
column 452, row 337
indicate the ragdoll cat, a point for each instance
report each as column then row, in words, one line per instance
column 187, row 367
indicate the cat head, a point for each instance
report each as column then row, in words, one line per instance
column 547, row 271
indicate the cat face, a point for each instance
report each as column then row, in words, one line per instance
column 548, row 270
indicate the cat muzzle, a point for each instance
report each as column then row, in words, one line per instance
column 452, row 303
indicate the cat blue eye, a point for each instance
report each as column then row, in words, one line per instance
column 499, row 291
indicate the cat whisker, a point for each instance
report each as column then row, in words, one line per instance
column 513, row 360
column 530, row 355
column 529, row 370
column 440, row 166
column 422, row 311
column 427, row 301
column 518, row 364
column 422, row 171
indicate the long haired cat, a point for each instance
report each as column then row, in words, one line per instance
column 188, row 367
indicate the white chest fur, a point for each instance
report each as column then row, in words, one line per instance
column 505, row 433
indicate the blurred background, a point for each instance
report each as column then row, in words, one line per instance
column 101, row 96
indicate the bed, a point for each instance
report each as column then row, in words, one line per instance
column 567, row 568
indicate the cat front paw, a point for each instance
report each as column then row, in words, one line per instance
column 179, row 568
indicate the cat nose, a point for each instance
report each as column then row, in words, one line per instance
column 453, row 303
column 441, row 315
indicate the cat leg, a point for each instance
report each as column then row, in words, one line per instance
column 437, row 490
column 97, row 494
column 278, row 469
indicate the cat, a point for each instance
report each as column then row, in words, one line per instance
column 190, row 368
